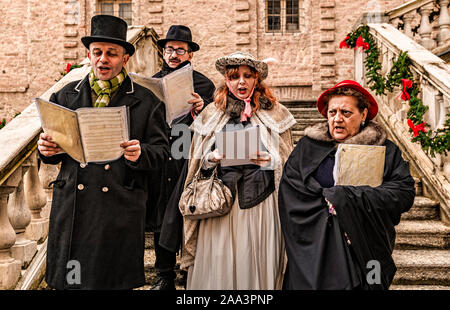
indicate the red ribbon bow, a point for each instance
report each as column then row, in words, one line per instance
column 416, row 129
column 343, row 43
column 68, row 67
column 360, row 43
column 406, row 84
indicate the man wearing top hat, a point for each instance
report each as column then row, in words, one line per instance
column 97, row 220
column 178, row 51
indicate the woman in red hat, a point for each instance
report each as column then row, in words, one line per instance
column 341, row 237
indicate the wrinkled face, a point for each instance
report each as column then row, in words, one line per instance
column 344, row 117
column 107, row 59
column 173, row 59
column 242, row 81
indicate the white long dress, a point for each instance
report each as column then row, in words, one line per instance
column 243, row 250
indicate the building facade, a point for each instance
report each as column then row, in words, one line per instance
column 40, row 37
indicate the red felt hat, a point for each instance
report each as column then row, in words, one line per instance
column 373, row 109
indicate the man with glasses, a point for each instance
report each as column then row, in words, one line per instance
column 178, row 50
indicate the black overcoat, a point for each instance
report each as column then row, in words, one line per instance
column 98, row 211
column 163, row 183
column 315, row 243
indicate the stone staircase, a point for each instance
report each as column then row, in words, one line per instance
column 422, row 250
column 306, row 114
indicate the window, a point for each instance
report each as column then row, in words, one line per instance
column 120, row 8
column 282, row 15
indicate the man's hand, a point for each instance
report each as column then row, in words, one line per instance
column 46, row 147
column 132, row 150
column 197, row 103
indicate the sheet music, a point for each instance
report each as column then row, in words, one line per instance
column 238, row 146
column 359, row 165
column 175, row 90
column 178, row 90
column 102, row 131
column 62, row 125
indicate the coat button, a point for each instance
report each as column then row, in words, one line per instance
column 170, row 158
column 80, row 187
column 107, row 167
column 82, row 165
column 105, row 189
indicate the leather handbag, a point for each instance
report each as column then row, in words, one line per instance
column 205, row 197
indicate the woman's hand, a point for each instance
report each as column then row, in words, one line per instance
column 46, row 146
column 261, row 159
column 132, row 150
column 215, row 157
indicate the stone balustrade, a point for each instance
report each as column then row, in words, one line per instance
column 25, row 192
column 433, row 77
column 425, row 21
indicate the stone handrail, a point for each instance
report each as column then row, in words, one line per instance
column 433, row 77
column 25, row 194
column 413, row 18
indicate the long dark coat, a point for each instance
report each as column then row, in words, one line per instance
column 98, row 211
column 318, row 252
column 163, row 183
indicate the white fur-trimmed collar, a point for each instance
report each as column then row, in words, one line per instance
column 372, row 134
column 279, row 119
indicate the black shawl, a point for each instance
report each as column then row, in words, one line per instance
column 319, row 255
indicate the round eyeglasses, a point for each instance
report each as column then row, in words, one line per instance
column 180, row 51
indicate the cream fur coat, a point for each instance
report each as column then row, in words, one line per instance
column 276, row 136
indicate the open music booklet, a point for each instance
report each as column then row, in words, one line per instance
column 86, row 134
column 359, row 165
column 175, row 90
column 238, row 146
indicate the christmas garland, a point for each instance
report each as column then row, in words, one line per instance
column 432, row 142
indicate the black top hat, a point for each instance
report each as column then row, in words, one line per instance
column 108, row 28
column 179, row 33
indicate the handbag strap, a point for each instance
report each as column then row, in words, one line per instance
column 197, row 175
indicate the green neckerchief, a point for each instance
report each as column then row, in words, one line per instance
column 104, row 89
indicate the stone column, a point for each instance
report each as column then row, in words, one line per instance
column 20, row 217
column 444, row 22
column 36, row 200
column 47, row 174
column 9, row 267
column 407, row 24
column 425, row 27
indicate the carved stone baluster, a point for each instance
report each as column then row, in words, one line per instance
column 425, row 28
column 47, row 174
column 407, row 23
column 395, row 22
column 36, row 200
column 9, row 267
column 444, row 23
column 20, row 217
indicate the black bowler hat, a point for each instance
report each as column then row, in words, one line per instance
column 179, row 33
column 108, row 28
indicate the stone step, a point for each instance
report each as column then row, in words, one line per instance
column 423, row 209
column 302, row 124
column 422, row 234
column 418, row 287
column 299, row 104
column 422, row 267
column 302, row 113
